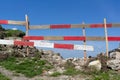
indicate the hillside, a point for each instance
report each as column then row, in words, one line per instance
column 10, row 33
column 48, row 65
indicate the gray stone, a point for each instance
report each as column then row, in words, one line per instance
column 96, row 64
column 114, row 64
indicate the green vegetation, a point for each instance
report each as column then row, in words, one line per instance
column 55, row 74
column 10, row 33
column 71, row 72
column 110, row 75
column 14, row 33
column 30, row 67
column 91, row 73
column 101, row 75
column 2, row 77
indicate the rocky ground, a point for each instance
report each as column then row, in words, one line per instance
column 58, row 62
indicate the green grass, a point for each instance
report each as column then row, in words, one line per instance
column 71, row 72
column 102, row 75
column 2, row 77
column 110, row 75
column 30, row 67
column 55, row 74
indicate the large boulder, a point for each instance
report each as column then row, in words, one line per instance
column 115, row 54
column 114, row 64
column 95, row 64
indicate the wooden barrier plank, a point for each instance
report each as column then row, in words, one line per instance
column 53, row 38
column 78, row 38
column 24, row 43
column 66, row 46
column 23, row 23
column 43, row 44
column 46, row 44
column 100, row 25
column 60, row 26
column 113, row 38
column 11, row 22
column 6, row 42
column 71, row 38
column 67, row 26
column 3, row 21
column 83, row 47
column 95, row 38
column 33, row 37
column 62, row 46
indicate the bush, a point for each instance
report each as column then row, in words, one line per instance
column 14, row 33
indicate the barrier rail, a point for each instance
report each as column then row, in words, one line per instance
column 67, row 26
column 46, row 44
column 64, row 38
column 71, row 38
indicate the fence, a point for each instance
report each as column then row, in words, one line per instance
column 83, row 38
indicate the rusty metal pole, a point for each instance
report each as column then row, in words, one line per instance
column 84, row 42
column 27, row 28
column 106, row 36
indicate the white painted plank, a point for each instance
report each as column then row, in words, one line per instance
column 43, row 44
column 7, row 42
column 83, row 47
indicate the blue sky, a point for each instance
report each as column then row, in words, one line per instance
column 65, row 12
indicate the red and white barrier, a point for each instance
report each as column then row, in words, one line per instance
column 63, row 46
column 12, row 22
column 7, row 42
column 47, row 45
column 60, row 26
column 71, row 38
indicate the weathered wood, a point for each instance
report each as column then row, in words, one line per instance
column 67, row 26
column 95, row 38
column 106, row 37
column 27, row 28
column 71, row 38
column 23, row 23
column 84, row 42
column 53, row 38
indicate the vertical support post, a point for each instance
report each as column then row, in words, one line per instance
column 27, row 28
column 84, row 42
column 119, row 45
column 106, row 36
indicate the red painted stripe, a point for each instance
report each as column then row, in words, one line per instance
column 60, row 26
column 23, row 43
column 113, row 38
column 33, row 37
column 64, row 46
column 99, row 25
column 3, row 21
column 74, row 38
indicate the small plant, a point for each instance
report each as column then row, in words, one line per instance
column 68, row 65
column 71, row 72
column 55, row 74
column 2, row 77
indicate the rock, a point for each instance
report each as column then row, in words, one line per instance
column 96, row 64
column 114, row 64
column 3, row 56
column 115, row 54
